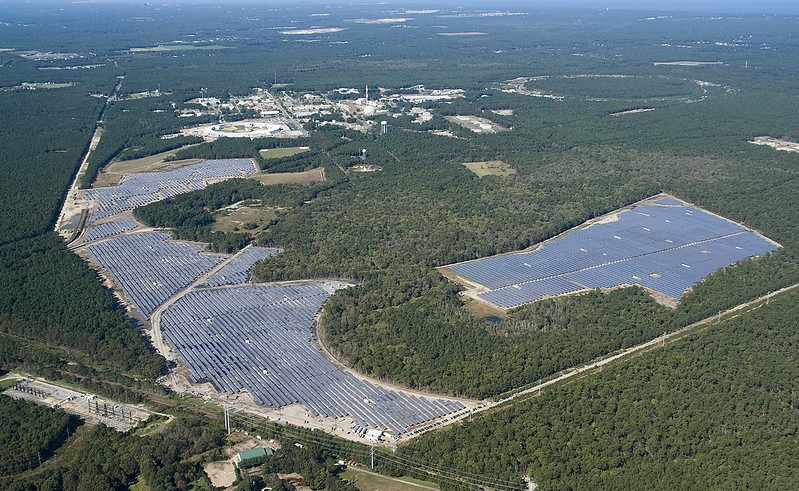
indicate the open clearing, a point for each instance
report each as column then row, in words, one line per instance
column 686, row 63
column 87, row 407
column 113, row 177
column 234, row 220
column 148, row 164
column 370, row 481
column 776, row 143
column 276, row 153
column 476, row 124
column 222, row 474
column 475, row 33
column 178, row 47
column 306, row 177
column 633, row 111
column 490, row 168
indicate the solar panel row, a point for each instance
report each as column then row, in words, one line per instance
column 258, row 339
column 109, row 229
column 149, row 268
column 140, row 189
column 645, row 244
column 238, row 270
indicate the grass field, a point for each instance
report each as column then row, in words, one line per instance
column 276, row 153
column 145, row 164
column 306, row 177
column 233, row 220
column 490, row 168
column 370, row 482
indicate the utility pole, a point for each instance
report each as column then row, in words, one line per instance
column 372, row 452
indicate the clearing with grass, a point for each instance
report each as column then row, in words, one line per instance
column 490, row 168
column 277, row 153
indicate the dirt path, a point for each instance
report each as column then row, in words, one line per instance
column 395, row 479
column 658, row 342
column 74, row 205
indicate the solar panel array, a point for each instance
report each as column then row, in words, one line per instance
column 109, row 229
column 666, row 248
column 259, row 339
column 140, row 189
column 238, row 270
column 149, row 268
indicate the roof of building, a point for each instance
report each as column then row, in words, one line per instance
column 255, row 453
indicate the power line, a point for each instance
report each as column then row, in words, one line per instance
column 450, row 476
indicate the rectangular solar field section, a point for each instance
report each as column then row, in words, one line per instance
column 140, row 189
column 258, row 339
column 109, row 229
column 665, row 245
column 149, row 268
column 238, row 270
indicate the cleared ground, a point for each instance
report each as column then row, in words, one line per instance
column 255, row 216
column 276, row 153
column 113, row 173
column 490, row 168
column 476, row 124
column 306, row 177
column 633, row 111
column 90, row 408
column 369, row 481
column 776, row 143
column 178, row 47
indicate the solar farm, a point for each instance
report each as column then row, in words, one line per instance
column 259, row 339
column 661, row 244
column 237, row 271
column 253, row 339
column 149, row 268
column 109, row 229
column 140, row 189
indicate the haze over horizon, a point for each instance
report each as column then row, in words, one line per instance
column 709, row 6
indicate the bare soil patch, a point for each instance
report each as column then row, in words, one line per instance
column 633, row 111
column 776, row 143
column 222, row 474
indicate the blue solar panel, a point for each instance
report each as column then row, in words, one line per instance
column 259, row 339
column 668, row 246
column 109, row 229
column 149, row 268
column 238, row 270
column 140, row 189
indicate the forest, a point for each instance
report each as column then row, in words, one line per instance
column 716, row 410
column 389, row 230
